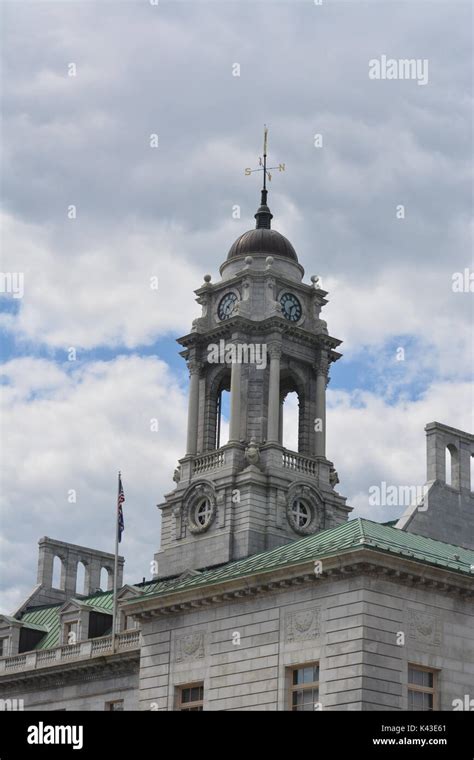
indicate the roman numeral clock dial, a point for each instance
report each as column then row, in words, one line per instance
column 291, row 307
column 227, row 306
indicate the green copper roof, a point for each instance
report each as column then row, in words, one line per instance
column 48, row 617
column 355, row 534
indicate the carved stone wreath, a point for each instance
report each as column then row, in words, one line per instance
column 312, row 500
column 199, row 493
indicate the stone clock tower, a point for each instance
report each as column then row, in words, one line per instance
column 260, row 337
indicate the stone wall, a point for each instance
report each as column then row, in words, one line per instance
column 350, row 626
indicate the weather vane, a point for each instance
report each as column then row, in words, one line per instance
column 263, row 163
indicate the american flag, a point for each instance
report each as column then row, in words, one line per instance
column 120, row 500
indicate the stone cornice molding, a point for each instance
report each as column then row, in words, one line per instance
column 63, row 673
column 269, row 325
column 353, row 562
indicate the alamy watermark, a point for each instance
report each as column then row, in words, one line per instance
column 12, row 704
column 48, row 734
column 237, row 353
column 463, row 282
column 464, row 704
column 401, row 68
column 385, row 495
column 12, row 282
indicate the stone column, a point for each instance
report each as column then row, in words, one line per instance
column 193, row 407
column 235, row 402
column 320, row 421
column 274, row 394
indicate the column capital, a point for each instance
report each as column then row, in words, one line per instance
column 321, row 365
column 194, row 366
column 274, row 350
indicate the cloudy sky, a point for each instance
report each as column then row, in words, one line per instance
column 83, row 141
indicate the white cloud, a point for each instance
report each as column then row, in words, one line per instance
column 108, row 296
column 371, row 441
column 73, row 428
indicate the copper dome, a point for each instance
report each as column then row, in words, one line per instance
column 264, row 241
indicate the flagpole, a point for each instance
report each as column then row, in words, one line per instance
column 114, row 613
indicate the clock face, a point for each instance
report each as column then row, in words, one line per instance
column 291, row 307
column 226, row 307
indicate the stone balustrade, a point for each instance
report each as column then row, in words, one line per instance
column 207, row 462
column 298, row 463
column 82, row 650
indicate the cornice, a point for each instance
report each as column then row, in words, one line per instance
column 353, row 562
column 64, row 673
column 248, row 326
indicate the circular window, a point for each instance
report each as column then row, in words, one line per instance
column 203, row 513
column 301, row 514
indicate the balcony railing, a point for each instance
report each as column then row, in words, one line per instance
column 207, row 462
column 298, row 463
column 82, row 650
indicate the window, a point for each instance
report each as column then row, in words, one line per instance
column 115, row 706
column 304, row 689
column 70, row 632
column 452, row 466
column 421, row 688
column 81, row 578
column 289, row 421
column 202, row 513
column 104, row 579
column 301, row 513
column 3, row 647
column 59, row 578
column 190, row 698
column 222, row 413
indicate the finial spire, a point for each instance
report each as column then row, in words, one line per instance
column 264, row 215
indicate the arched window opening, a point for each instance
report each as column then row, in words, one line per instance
column 104, row 579
column 289, row 422
column 452, row 466
column 81, row 578
column 448, row 465
column 222, row 413
column 58, row 573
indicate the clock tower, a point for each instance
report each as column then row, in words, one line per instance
column 260, row 336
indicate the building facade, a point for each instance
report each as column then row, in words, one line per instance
column 267, row 596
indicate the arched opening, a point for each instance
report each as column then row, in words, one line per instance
column 104, row 579
column 448, row 467
column 292, row 428
column 58, row 573
column 81, row 578
column 452, row 466
column 289, row 422
column 222, row 414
